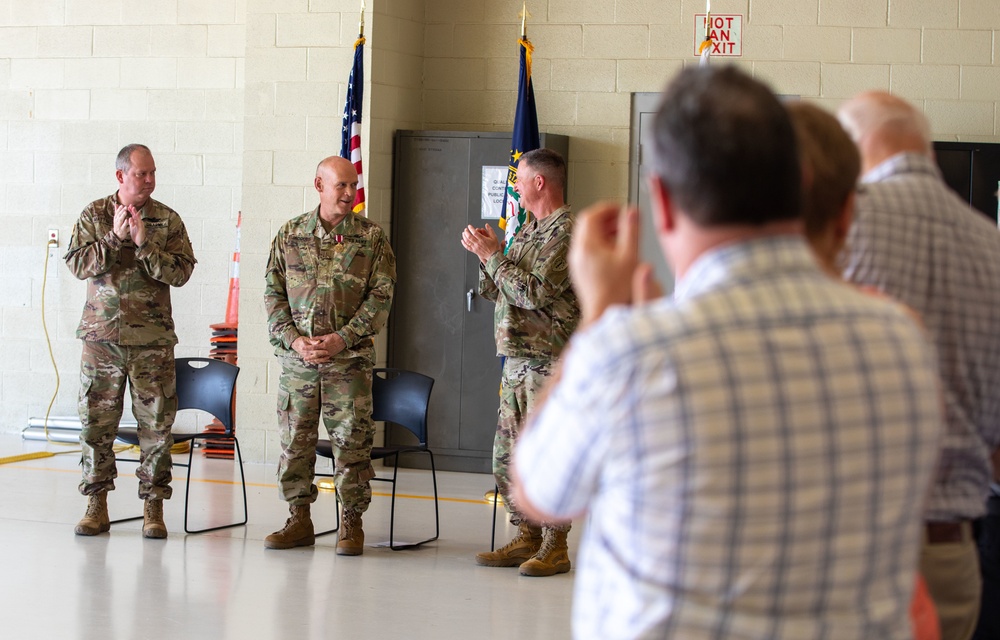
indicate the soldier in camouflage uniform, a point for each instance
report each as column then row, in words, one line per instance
column 131, row 249
column 329, row 285
column 536, row 311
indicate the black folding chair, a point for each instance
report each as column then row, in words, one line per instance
column 399, row 398
column 208, row 385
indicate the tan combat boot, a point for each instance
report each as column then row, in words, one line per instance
column 552, row 557
column 96, row 519
column 524, row 545
column 351, row 540
column 152, row 520
column 297, row 532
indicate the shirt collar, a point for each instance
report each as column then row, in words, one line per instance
column 777, row 254
column 344, row 227
column 549, row 220
column 907, row 162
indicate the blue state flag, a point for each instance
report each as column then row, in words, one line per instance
column 525, row 138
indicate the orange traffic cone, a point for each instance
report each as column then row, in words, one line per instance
column 224, row 338
column 224, row 334
column 233, row 303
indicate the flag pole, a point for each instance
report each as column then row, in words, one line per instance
column 705, row 50
column 524, row 136
column 350, row 144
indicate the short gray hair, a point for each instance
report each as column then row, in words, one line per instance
column 548, row 163
column 124, row 160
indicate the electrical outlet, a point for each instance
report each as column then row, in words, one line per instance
column 53, row 246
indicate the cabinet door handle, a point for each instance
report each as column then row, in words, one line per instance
column 468, row 299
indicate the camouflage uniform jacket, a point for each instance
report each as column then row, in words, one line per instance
column 128, row 288
column 536, row 308
column 338, row 282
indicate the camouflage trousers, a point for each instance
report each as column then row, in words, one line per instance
column 151, row 378
column 520, row 385
column 339, row 393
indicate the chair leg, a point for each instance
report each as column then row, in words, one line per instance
column 243, row 480
column 336, row 510
column 187, row 491
column 392, row 502
column 130, row 518
column 437, row 517
column 493, row 532
column 392, row 511
column 187, row 486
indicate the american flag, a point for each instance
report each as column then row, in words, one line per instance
column 350, row 142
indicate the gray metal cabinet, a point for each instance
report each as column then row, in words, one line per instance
column 439, row 326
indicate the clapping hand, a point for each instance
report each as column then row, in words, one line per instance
column 128, row 222
column 137, row 227
column 603, row 255
column 482, row 242
column 122, row 222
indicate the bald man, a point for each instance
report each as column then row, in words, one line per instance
column 918, row 242
column 329, row 285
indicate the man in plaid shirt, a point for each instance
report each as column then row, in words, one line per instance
column 753, row 452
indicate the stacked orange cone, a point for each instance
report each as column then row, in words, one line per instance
column 224, row 338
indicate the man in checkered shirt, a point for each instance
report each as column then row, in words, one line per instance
column 753, row 452
column 918, row 242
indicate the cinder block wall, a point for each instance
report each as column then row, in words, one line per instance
column 590, row 56
column 297, row 63
column 79, row 78
column 298, row 59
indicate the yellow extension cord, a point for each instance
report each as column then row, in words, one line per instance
column 180, row 447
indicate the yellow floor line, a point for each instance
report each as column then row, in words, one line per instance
column 258, row 484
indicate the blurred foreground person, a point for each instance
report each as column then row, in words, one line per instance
column 919, row 243
column 751, row 451
column 831, row 165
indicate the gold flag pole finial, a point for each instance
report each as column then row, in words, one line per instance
column 524, row 15
column 361, row 25
column 705, row 50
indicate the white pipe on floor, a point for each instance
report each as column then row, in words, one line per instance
column 69, row 422
column 55, row 435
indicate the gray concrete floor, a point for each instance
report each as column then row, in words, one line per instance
column 225, row 584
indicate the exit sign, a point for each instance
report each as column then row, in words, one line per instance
column 726, row 32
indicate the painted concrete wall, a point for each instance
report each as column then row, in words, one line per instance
column 240, row 99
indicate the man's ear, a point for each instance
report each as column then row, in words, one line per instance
column 662, row 205
column 318, row 183
column 120, row 176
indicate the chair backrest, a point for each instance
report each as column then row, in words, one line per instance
column 402, row 397
column 209, row 385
